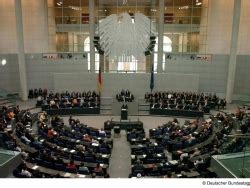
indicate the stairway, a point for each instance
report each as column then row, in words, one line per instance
column 5, row 102
column 106, row 108
column 7, row 99
column 143, row 108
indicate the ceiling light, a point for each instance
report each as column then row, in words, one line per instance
column 75, row 8
column 198, row 3
column 4, row 62
column 184, row 7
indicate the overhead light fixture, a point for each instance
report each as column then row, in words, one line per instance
column 184, row 7
column 4, row 61
column 59, row 3
column 75, row 8
column 197, row 3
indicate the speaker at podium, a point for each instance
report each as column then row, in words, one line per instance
column 124, row 112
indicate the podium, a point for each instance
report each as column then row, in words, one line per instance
column 124, row 114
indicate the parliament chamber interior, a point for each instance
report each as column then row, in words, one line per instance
column 124, row 89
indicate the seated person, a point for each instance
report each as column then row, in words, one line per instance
column 193, row 107
column 59, row 160
column 71, row 165
column 52, row 103
column 25, row 139
column 101, row 131
column 80, row 147
column 25, row 172
column 87, row 138
column 184, row 156
column 138, row 166
column 197, row 162
column 51, row 133
column 197, row 152
column 186, row 107
column 74, row 102
column 98, row 169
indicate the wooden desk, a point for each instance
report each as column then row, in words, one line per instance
column 55, row 172
column 93, row 165
column 193, row 174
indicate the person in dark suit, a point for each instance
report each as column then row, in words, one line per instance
column 138, row 166
column 125, row 106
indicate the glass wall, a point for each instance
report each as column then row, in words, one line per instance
column 185, row 26
column 68, row 24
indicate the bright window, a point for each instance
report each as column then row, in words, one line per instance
column 87, row 49
column 167, row 47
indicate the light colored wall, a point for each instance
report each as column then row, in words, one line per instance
column 9, row 74
column 213, row 75
column 219, row 26
column 35, row 24
column 242, row 78
column 113, row 83
column 51, row 27
column 219, row 31
column 8, row 40
column 39, row 71
column 244, row 32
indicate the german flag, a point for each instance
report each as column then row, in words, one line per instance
column 100, row 81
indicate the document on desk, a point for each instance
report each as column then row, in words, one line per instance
column 173, row 162
column 95, row 144
column 35, row 167
column 81, row 176
column 67, row 174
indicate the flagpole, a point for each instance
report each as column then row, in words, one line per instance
column 152, row 78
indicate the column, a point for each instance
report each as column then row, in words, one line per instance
column 20, row 50
column 71, row 41
column 149, row 62
column 233, row 51
column 160, row 36
column 101, row 61
column 106, row 63
column 92, row 33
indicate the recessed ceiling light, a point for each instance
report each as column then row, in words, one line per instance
column 184, row 7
